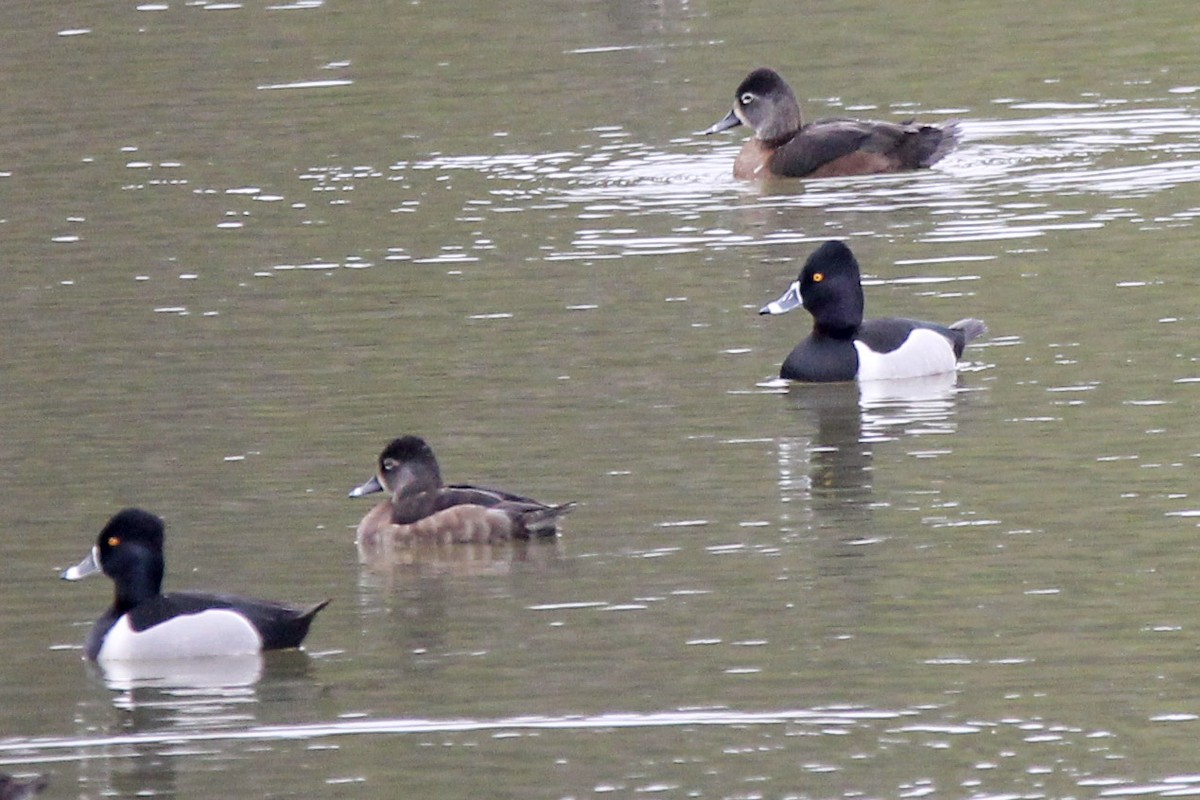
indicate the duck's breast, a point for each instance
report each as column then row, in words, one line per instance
column 752, row 162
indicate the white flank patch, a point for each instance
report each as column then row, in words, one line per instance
column 925, row 352
column 216, row 632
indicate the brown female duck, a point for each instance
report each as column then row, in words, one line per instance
column 421, row 508
column 784, row 147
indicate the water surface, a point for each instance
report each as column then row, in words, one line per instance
column 245, row 244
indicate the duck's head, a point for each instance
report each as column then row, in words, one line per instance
column 829, row 287
column 406, row 465
column 130, row 551
column 764, row 102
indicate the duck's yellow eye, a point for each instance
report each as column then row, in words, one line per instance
column 113, row 541
column 818, row 277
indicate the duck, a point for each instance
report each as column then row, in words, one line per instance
column 420, row 508
column 12, row 788
column 844, row 347
column 784, row 147
column 145, row 624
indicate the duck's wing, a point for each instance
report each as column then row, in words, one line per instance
column 410, row 507
column 466, row 494
column 820, row 144
column 841, row 146
column 886, row 335
column 889, row 333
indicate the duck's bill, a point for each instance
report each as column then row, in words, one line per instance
column 786, row 302
column 89, row 566
column 730, row 121
column 370, row 487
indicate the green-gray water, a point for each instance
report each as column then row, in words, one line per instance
column 242, row 245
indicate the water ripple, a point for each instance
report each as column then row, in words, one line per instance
column 1011, row 179
column 403, row 725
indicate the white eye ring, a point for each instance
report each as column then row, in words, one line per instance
column 747, row 98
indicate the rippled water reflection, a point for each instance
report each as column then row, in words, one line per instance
column 1012, row 179
column 903, row 739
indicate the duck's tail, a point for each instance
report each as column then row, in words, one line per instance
column 543, row 522
column 965, row 330
column 281, row 626
column 311, row 611
column 304, row 618
column 971, row 328
column 936, row 141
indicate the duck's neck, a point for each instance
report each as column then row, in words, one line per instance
column 411, row 504
column 835, row 331
column 784, row 123
column 138, row 584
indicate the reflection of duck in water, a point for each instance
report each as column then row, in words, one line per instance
column 389, row 558
column 831, row 466
column 833, row 463
column 834, row 504
column 211, row 672
column 844, row 347
column 909, row 406
column 421, row 508
column 20, row 788
column 188, row 696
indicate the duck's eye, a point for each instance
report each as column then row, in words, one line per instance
column 818, row 277
column 747, row 98
column 390, row 464
column 113, row 541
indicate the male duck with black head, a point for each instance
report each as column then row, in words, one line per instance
column 144, row 624
column 845, row 347
column 420, row 508
column 784, row 147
